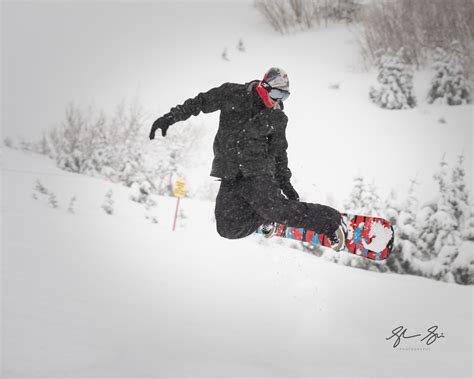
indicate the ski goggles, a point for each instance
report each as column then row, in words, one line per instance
column 276, row 93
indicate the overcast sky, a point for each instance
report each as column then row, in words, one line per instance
column 99, row 53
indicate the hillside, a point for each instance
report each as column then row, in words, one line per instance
column 334, row 131
column 90, row 294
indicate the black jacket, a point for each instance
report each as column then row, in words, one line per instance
column 251, row 138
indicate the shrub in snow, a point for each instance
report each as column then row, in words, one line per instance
column 7, row 141
column 114, row 148
column 396, row 82
column 52, row 200
column 39, row 187
column 240, row 46
column 108, row 205
column 450, row 85
column 285, row 15
column 418, row 25
column 72, row 202
column 141, row 194
column 182, row 217
column 224, row 55
column 151, row 218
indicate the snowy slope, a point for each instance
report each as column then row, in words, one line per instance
column 90, row 294
column 161, row 53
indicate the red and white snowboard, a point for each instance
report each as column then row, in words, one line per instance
column 368, row 237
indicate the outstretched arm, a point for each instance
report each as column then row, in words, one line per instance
column 205, row 102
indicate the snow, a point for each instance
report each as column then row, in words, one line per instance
column 90, row 294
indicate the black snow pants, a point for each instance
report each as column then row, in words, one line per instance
column 245, row 203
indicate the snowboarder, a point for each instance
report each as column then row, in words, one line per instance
column 251, row 161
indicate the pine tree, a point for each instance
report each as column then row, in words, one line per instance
column 52, row 200
column 396, row 80
column 468, row 230
column 363, row 199
column 427, row 233
column 371, row 202
column 459, row 194
column 355, row 203
column 450, row 84
column 391, row 208
column 447, row 242
column 440, row 237
column 404, row 256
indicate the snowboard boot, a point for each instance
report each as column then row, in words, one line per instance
column 268, row 230
column 338, row 238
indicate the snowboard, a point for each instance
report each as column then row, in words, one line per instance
column 368, row 237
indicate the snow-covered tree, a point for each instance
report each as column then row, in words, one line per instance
column 440, row 238
column 404, row 256
column 463, row 267
column 396, row 82
column 427, row 232
column 141, row 194
column 355, row 202
column 447, row 241
column 371, row 200
column 459, row 194
column 363, row 198
column 468, row 230
column 450, row 84
column 391, row 208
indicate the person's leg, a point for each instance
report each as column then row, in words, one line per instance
column 235, row 218
column 264, row 196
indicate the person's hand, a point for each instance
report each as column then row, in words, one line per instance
column 162, row 123
column 290, row 192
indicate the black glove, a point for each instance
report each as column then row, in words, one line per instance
column 162, row 123
column 289, row 191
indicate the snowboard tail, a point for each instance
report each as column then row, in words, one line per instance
column 367, row 237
